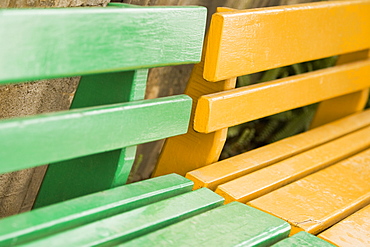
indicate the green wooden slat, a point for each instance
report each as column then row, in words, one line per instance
column 50, row 43
column 64, row 135
column 84, row 175
column 49, row 220
column 135, row 222
column 234, row 224
column 123, row 5
column 303, row 239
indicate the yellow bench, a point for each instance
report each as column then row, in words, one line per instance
column 314, row 179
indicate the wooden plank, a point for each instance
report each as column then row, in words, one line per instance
column 336, row 108
column 137, row 222
column 85, row 175
column 50, row 220
column 225, row 109
column 31, row 136
column 261, row 182
column 225, row 170
column 322, row 199
column 303, row 239
column 352, row 231
column 111, row 39
column 248, row 41
column 234, row 224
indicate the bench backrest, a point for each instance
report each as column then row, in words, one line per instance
column 112, row 48
column 247, row 41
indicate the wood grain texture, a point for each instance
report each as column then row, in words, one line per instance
column 261, row 182
column 153, row 119
column 137, row 222
column 225, row 109
column 93, row 90
column 352, row 231
column 322, row 199
column 338, row 107
column 226, row 170
column 155, row 39
column 234, row 224
column 56, row 218
column 236, row 50
column 303, row 239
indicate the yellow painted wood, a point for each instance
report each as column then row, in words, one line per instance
column 225, row 109
column 322, row 199
column 223, row 171
column 333, row 109
column 261, row 182
column 352, row 231
column 249, row 41
column 181, row 154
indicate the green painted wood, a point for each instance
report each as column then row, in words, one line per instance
column 84, row 175
column 123, row 5
column 55, row 218
column 303, row 239
column 234, row 224
column 136, row 222
column 65, row 135
column 51, row 43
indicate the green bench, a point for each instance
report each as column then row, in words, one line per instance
column 83, row 200
column 92, row 146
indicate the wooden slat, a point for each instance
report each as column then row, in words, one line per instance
column 47, row 43
column 249, row 41
column 352, row 231
column 64, row 135
column 137, row 222
column 225, row 170
column 320, row 200
column 234, row 224
column 336, row 108
column 229, row 108
column 50, row 220
column 263, row 181
column 303, row 239
column 86, row 175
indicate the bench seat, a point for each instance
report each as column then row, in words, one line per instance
column 303, row 239
column 234, row 224
column 162, row 211
column 42, row 222
column 351, row 231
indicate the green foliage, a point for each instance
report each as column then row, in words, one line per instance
column 247, row 136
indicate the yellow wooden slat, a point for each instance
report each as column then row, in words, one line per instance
column 352, row 231
column 249, row 41
column 225, row 109
column 336, row 108
column 223, row 171
column 320, row 200
column 261, row 182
